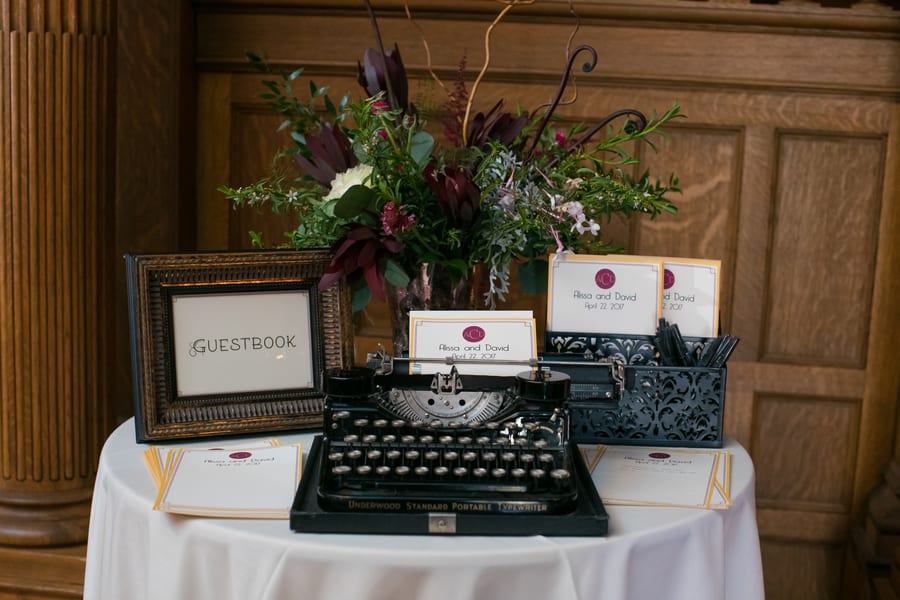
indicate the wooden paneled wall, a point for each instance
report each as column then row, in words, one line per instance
column 786, row 160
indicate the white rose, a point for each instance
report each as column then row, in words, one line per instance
column 342, row 182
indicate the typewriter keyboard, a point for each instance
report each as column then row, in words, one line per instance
column 519, row 463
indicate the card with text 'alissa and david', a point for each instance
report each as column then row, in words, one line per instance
column 491, row 342
column 628, row 295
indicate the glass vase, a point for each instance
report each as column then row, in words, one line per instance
column 432, row 288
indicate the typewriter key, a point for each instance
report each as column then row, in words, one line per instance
column 363, row 469
column 380, row 423
column 351, row 438
column 470, row 456
column 446, row 439
column 517, row 473
column 340, row 469
column 360, row 422
column 540, row 443
column 498, row 472
column 460, row 471
column 479, row 471
column 451, row 455
column 489, row 456
column 508, row 456
column 545, row 458
column 336, row 456
column 341, row 414
column 559, row 474
column 526, row 457
column 464, row 439
column 483, row 440
column 407, row 439
column 398, row 423
column 369, row 438
column 432, row 455
column 392, row 454
column 354, row 454
column 389, row 439
column 492, row 425
column 373, row 454
column 522, row 441
column 401, row 470
column 412, row 454
column 426, row 439
column 538, row 473
column 382, row 470
column 441, row 470
column 436, row 424
column 421, row 470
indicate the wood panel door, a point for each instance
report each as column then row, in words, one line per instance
column 787, row 163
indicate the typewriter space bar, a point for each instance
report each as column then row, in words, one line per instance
column 435, row 486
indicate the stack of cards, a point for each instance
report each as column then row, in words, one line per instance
column 628, row 295
column 642, row 476
column 249, row 481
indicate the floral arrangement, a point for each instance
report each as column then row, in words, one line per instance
column 492, row 188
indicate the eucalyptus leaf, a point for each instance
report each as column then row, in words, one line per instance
column 421, row 145
column 327, row 207
column 355, row 200
column 395, row 275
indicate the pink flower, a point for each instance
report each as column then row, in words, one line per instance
column 394, row 221
column 560, row 139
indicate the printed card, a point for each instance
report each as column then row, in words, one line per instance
column 492, row 342
column 245, row 483
column 662, row 476
column 691, row 296
column 604, row 294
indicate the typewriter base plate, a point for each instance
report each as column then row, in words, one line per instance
column 589, row 519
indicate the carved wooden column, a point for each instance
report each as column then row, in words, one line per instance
column 56, row 263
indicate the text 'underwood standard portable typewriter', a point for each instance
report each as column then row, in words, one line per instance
column 446, row 453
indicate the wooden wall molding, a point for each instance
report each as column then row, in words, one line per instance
column 631, row 53
column 868, row 16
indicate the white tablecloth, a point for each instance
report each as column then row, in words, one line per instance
column 650, row 553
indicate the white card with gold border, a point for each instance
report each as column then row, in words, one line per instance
column 257, row 483
column 479, row 340
column 691, row 295
column 615, row 294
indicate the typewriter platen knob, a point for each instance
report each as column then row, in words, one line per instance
column 347, row 384
column 543, row 386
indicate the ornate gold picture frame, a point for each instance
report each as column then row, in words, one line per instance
column 227, row 343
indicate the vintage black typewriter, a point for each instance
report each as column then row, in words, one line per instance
column 447, row 454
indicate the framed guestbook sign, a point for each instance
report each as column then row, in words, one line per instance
column 228, row 343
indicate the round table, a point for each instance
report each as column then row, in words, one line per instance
column 137, row 553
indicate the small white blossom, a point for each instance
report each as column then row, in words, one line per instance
column 583, row 226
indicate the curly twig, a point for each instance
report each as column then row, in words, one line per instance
column 587, row 68
column 487, row 60
column 428, row 64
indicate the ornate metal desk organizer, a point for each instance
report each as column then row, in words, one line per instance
column 632, row 400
